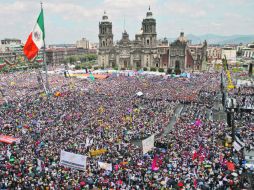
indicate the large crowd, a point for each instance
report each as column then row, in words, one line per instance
column 109, row 112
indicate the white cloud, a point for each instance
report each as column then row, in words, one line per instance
column 68, row 20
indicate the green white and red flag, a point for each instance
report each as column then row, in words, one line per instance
column 36, row 39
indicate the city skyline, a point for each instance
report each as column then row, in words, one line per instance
column 68, row 21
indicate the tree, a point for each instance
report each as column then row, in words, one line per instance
column 153, row 69
column 169, row 71
column 177, row 71
column 161, row 70
column 71, row 59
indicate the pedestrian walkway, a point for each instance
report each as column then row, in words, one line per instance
column 177, row 114
column 167, row 129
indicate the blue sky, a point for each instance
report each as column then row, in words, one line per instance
column 69, row 20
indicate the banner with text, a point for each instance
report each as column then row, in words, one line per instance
column 148, row 144
column 76, row 161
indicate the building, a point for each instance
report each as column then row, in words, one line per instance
column 248, row 52
column 11, row 49
column 163, row 51
column 11, row 45
column 198, row 55
column 230, row 54
column 187, row 57
column 83, row 43
column 139, row 53
column 9, row 41
column 213, row 54
column 56, row 56
column 145, row 51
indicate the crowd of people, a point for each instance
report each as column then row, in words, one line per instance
column 113, row 117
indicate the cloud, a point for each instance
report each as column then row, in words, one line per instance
column 71, row 11
column 68, row 20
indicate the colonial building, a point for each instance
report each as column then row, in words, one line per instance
column 187, row 57
column 146, row 51
column 55, row 56
column 83, row 43
column 213, row 54
column 139, row 53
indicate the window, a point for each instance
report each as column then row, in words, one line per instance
column 147, row 41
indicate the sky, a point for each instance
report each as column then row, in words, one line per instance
column 67, row 21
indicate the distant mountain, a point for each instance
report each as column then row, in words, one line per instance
column 217, row 39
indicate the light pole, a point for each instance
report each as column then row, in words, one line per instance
column 230, row 119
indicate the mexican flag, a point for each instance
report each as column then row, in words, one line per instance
column 35, row 39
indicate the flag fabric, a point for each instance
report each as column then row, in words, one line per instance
column 231, row 166
column 154, row 164
column 238, row 144
column 35, row 39
column 91, row 76
column 194, row 155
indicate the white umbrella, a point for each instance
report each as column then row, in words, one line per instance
column 234, row 174
column 140, row 93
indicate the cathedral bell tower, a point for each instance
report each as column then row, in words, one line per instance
column 105, row 33
column 149, row 37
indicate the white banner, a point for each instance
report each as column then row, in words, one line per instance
column 39, row 162
column 237, row 146
column 148, row 144
column 76, row 161
column 105, row 166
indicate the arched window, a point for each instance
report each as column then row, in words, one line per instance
column 147, row 42
column 103, row 43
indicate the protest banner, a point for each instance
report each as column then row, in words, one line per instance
column 97, row 152
column 9, row 139
column 105, row 166
column 148, row 144
column 75, row 161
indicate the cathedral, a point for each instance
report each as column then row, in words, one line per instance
column 146, row 51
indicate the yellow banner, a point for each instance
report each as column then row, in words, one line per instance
column 97, row 152
column 230, row 83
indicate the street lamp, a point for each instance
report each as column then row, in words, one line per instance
column 230, row 108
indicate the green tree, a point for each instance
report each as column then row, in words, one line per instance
column 153, row 69
column 169, row 71
column 161, row 70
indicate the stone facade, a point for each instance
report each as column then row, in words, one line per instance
column 185, row 56
column 139, row 53
column 145, row 50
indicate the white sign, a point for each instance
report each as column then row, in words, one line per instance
column 76, row 161
column 105, row 166
column 148, row 144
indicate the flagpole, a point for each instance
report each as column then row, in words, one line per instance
column 44, row 59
